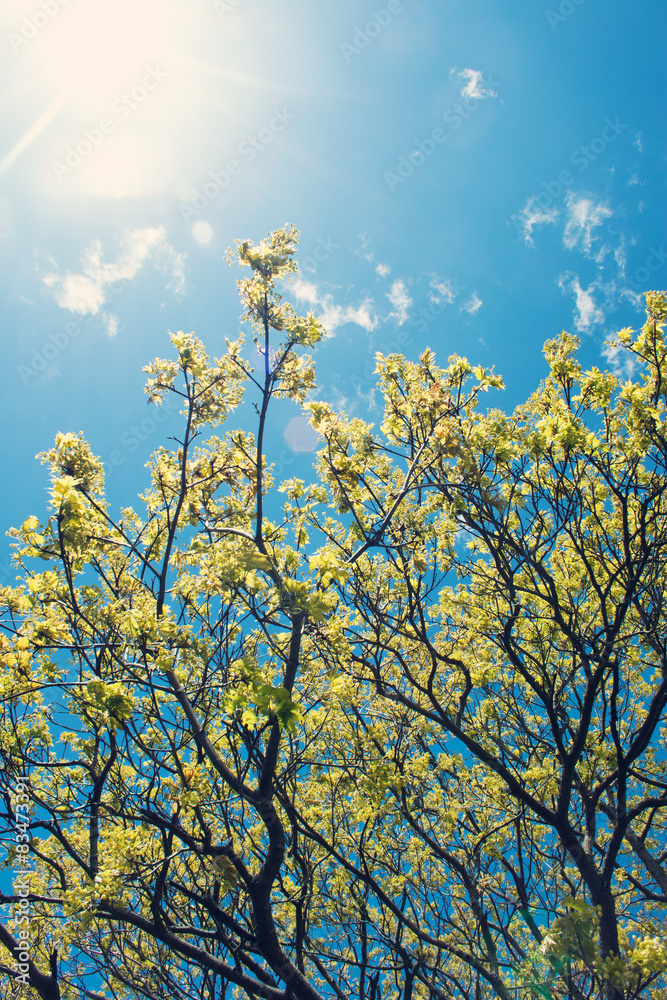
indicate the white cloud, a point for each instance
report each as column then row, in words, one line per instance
column 638, row 142
column 400, row 300
column 587, row 313
column 621, row 260
column 473, row 305
column 80, row 293
column 304, row 290
column 532, row 215
column 383, row 270
column 111, row 324
column 473, row 83
column 584, row 215
column 623, row 363
column 441, row 290
column 86, row 291
column 332, row 315
column 365, row 253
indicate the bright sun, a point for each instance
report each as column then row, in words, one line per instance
column 105, row 59
column 94, row 49
column 138, row 67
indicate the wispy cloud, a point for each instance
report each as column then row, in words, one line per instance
column 401, row 301
column 111, row 324
column 86, row 291
column 304, row 290
column 473, row 305
column 332, row 315
column 365, row 253
column 532, row 214
column 621, row 255
column 473, row 84
column 383, row 270
column 584, row 215
column 623, row 363
column 441, row 290
column 587, row 313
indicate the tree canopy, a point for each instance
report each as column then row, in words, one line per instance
column 398, row 732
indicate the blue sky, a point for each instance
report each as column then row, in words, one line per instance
column 469, row 175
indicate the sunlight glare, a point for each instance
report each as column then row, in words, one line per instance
column 91, row 52
column 124, row 167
